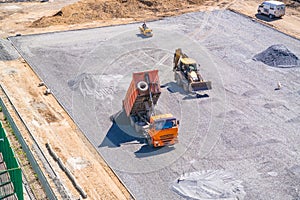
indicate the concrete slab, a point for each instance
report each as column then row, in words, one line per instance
column 244, row 127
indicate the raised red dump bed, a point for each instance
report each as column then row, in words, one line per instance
column 139, row 92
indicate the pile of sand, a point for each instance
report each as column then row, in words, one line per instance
column 278, row 56
column 93, row 10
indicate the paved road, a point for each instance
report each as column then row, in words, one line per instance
column 245, row 128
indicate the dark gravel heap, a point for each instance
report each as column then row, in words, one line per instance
column 278, row 56
column 7, row 52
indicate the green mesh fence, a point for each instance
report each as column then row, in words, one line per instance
column 10, row 171
column 30, row 157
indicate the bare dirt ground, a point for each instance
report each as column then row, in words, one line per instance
column 45, row 117
column 50, row 124
column 35, row 17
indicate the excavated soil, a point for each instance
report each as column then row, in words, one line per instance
column 91, row 10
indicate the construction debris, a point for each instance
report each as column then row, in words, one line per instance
column 278, row 86
column 48, row 91
column 41, row 84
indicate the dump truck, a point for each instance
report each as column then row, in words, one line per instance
column 139, row 106
column 187, row 75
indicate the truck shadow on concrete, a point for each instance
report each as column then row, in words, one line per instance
column 116, row 136
column 172, row 87
column 266, row 18
column 147, row 151
column 121, row 133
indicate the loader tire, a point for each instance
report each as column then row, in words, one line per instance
column 142, row 86
column 186, row 87
column 178, row 80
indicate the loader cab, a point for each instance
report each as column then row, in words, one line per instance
column 187, row 65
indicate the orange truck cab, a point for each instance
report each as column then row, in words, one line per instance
column 163, row 130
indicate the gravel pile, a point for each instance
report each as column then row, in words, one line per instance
column 209, row 185
column 278, row 56
column 7, row 52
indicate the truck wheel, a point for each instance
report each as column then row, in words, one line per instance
column 259, row 12
column 137, row 128
column 142, row 86
column 149, row 142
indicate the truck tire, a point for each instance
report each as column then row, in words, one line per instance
column 149, row 141
column 142, row 86
column 137, row 128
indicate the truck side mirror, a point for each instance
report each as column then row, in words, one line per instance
column 177, row 122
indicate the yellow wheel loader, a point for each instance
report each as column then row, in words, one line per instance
column 186, row 74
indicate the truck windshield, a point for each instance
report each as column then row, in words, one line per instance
column 165, row 124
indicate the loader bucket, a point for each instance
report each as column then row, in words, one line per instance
column 198, row 86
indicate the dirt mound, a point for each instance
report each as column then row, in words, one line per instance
column 278, row 56
column 92, row 10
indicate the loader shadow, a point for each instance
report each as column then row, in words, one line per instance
column 142, row 36
column 172, row 87
column 266, row 18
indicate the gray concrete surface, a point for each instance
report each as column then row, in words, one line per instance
column 7, row 51
column 245, row 127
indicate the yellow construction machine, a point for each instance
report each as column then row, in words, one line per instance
column 186, row 74
column 146, row 31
